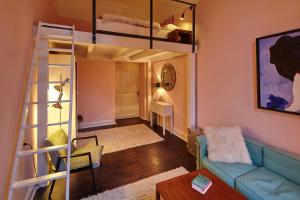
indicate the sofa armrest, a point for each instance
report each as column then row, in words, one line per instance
column 201, row 143
column 255, row 150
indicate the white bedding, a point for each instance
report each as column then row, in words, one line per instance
column 131, row 29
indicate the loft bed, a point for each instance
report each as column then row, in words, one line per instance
column 124, row 26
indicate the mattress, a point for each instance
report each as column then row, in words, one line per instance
column 131, row 29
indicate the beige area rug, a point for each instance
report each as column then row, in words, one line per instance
column 120, row 138
column 141, row 190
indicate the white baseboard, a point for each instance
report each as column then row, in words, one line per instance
column 126, row 116
column 180, row 134
column 143, row 118
column 96, row 123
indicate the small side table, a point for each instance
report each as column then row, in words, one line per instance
column 165, row 110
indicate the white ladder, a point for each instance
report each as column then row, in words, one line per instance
column 45, row 32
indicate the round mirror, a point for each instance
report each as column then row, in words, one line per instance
column 168, row 77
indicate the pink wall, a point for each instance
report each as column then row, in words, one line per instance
column 96, row 88
column 80, row 25
column 227, row 67
column 178, row 95
column 16, row 19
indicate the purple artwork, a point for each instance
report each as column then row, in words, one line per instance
column 278, row 66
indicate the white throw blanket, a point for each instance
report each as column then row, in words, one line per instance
column 108, row 18
column 226, row 144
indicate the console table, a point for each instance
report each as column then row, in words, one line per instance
column 165, row 110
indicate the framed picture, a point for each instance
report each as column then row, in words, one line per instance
column 278, row 72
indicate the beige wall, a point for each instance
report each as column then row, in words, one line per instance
column 16, row 19
column 96, row 91
column 227, row 67
column 177, row 96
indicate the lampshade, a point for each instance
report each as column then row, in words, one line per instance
column 182, row 16
column 57, row 105
column 59, row 88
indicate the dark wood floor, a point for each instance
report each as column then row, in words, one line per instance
column 127, row 166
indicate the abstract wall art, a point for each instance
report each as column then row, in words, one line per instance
column 278, row 72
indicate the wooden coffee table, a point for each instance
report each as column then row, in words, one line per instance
column 180, row 188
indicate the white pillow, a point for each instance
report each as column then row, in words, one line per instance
column 226, row 144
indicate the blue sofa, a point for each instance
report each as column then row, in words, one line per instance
column 274, row 175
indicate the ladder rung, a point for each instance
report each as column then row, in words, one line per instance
column 49, row 82
column 56, row 25
column 41, row 150
column 59, row 65
column 45, row 125
column 38, row 180
column 57, row 50
column 57, row 82
column 56, row 37
column 49, row 102
column 55, row 65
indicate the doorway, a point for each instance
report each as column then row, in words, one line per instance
column 127, row 90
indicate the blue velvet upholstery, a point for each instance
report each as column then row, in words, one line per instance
column 274, row 175
column 282, row 163
column 202, row 142
column 262, row 183
column 256, row 152
column 227, row 172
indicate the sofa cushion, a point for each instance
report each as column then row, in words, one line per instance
column 283, row 164
column 60, row 137
column 264, row 184
column 228, row 172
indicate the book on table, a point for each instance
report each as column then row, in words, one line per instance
column 201, row 183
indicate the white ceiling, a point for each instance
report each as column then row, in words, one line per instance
column 126, row 54
column 82, row 9
column 114, row 53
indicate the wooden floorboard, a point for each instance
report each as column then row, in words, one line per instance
column 127, row 166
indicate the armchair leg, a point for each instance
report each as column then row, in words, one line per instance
column 93, row 179
column 51, row 189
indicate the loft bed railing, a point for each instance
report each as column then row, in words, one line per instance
column 151, row 38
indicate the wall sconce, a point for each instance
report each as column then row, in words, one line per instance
column 182, row 15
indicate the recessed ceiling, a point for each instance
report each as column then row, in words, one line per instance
column 82, row 9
